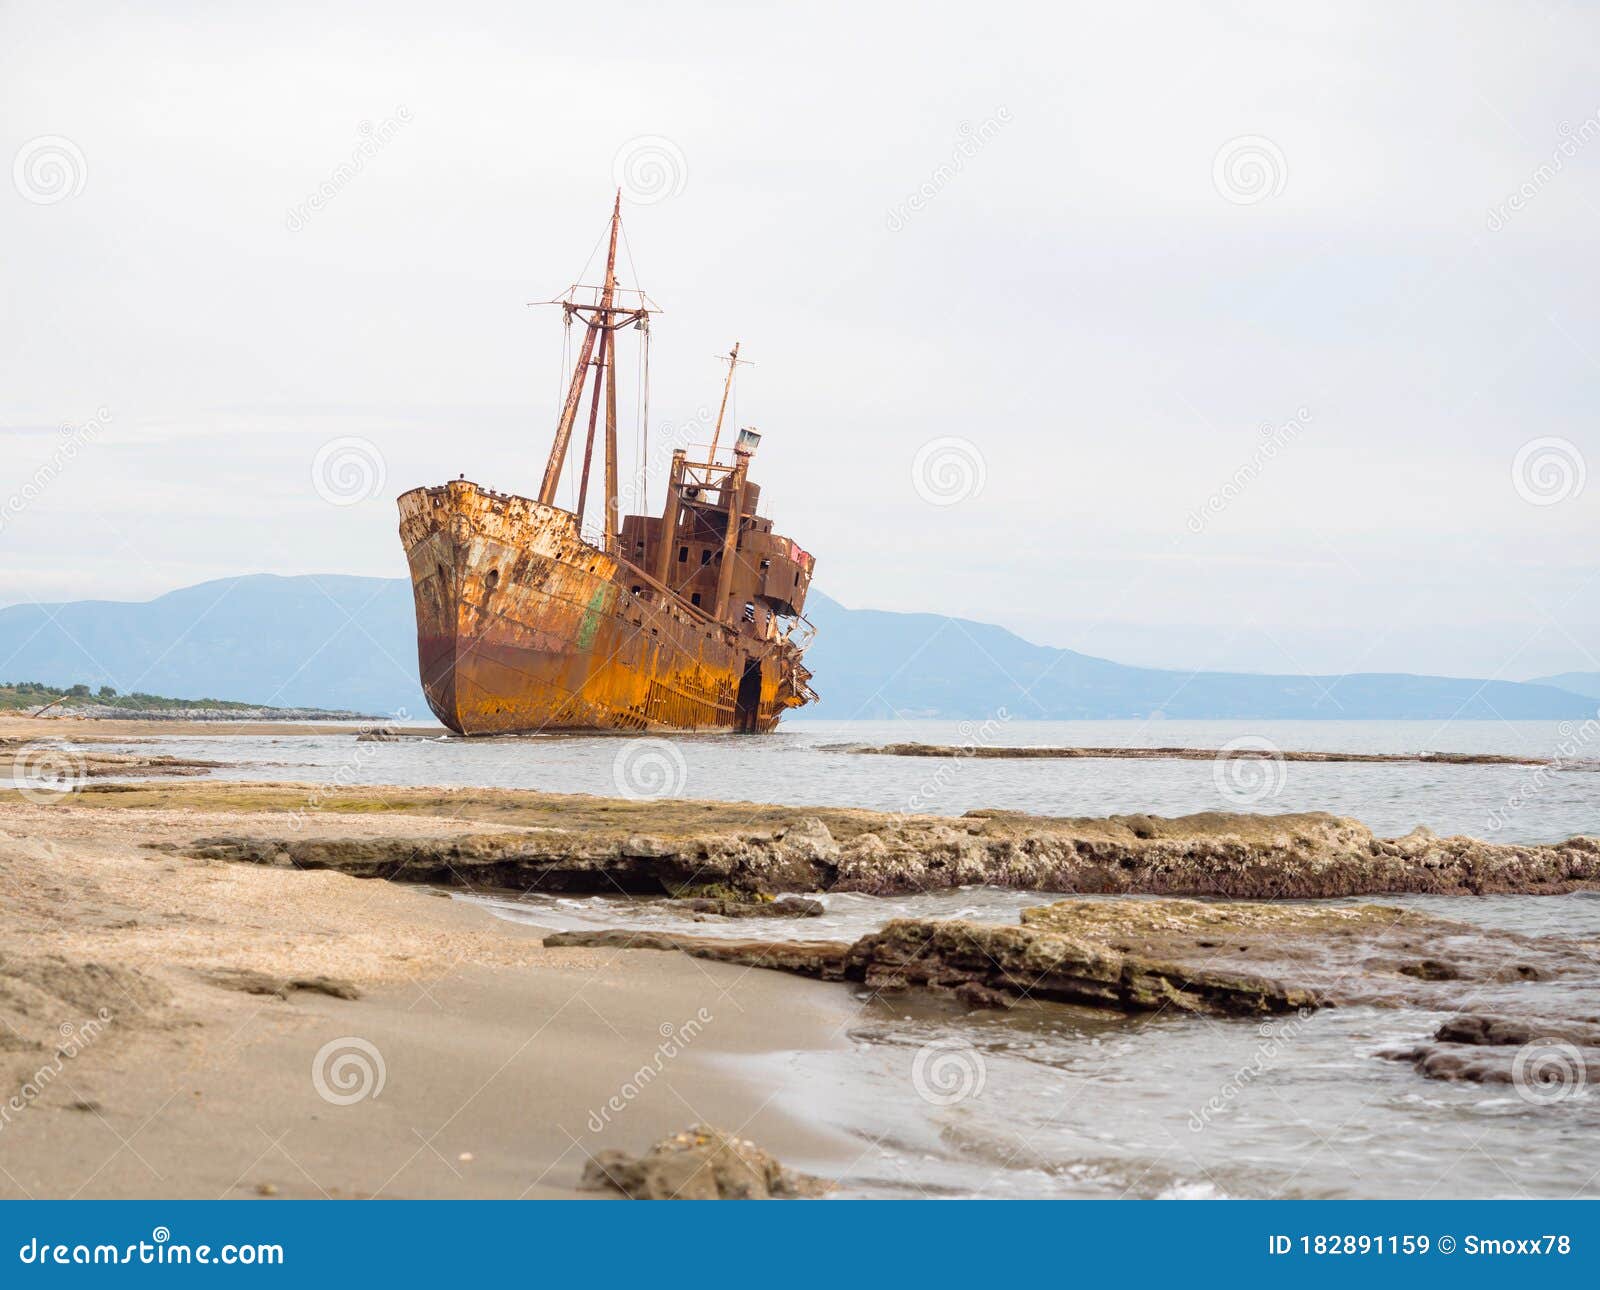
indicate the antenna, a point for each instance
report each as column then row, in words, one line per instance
column 732, row 359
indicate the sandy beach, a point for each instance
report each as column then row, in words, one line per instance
column 498, row 1057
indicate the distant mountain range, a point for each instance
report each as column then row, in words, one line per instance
column 1586, row 683
column 349, row 642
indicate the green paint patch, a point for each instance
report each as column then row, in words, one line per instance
column 591, row 618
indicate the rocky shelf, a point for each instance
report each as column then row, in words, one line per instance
column 1250, row 753
column 538, row 842
column 1131, row 956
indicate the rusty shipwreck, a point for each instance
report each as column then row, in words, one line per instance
column 686, row 619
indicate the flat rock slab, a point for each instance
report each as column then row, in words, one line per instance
column 1067, row 753
column 1348, row 954
column 1147, row 955
column 1252, row 857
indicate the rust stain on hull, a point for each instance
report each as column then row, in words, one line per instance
column 523, row 626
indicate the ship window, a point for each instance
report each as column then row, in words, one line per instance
column 766, row 564
column 695, row 599
column 634, row 589
column 493, row 580
column 683, row 555
column 705, row 556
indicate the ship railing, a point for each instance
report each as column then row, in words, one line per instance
column 797, row 631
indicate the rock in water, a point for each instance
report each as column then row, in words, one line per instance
column 1224, row 958
column 1544, row 1055
column 701, row 1163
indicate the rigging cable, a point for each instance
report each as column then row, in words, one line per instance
column 644, row 417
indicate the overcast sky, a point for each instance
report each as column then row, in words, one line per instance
column 1184, row 339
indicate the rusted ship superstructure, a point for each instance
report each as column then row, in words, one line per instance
column 687, row 620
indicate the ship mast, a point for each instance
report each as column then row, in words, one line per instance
column 716, row 437
column 599, row 349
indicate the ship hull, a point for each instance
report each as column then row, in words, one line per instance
column 523, row 626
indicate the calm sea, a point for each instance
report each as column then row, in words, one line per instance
column 797, row 766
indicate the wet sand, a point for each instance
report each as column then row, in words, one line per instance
column 498, row 1056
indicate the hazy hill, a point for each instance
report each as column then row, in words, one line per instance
column 349, row 642
column 1585, row 683
column 872, row 664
